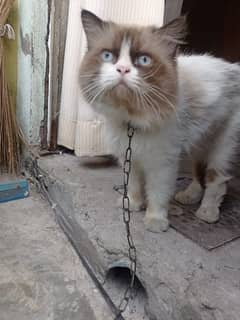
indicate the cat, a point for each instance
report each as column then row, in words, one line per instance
column 134, row 74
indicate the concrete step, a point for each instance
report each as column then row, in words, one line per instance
column 182, row 280
column 41, row 277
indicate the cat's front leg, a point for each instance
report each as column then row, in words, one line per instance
column 160, row 185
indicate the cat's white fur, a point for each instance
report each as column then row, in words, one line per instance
column 208, row 93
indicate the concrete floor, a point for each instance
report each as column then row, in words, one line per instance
column 182, row 280
column 41, row 277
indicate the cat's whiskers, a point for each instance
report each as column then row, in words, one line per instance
column 90, row 75
column 89, row 90
column 138, row 99
column 152, row 73
column 165, row 99
column 158, row 92
column 100, row 91
column 162, row 97
column 150, row 91
column 144, row 94
column 86, row 76
column 164, row 92
column 137, row 86
column 89, row 86
column 143, row 102
column 92, row 91
column 152, row 104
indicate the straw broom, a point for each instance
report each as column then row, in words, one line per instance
column 9, row 131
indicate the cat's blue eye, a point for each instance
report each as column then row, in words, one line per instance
column 107, row 56
column 144, row 60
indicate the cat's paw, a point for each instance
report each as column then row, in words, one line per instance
column 154, row 223
column 208, row 214
column 187, row 197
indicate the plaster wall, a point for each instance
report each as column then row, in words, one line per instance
column 32, row 31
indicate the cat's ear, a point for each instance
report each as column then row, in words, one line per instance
column 173, row 34
column 92, row 25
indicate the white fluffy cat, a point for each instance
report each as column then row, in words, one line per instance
column 176, row 103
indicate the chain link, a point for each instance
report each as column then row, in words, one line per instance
column 132, row 253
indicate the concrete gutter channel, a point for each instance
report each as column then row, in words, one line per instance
column 182, row 280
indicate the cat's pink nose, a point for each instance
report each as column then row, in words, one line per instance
column 123, row 70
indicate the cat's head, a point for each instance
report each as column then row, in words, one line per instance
column 130, row 70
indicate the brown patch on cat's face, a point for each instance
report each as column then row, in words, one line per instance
column 156, row 92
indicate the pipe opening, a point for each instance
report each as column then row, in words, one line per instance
column 117, row 280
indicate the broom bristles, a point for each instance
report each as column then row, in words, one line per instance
column 9, row 132
column 10, row 135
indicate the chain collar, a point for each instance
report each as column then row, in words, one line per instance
column 132, row 253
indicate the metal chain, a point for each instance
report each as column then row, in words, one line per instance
column 132, row 253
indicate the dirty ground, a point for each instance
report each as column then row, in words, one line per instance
column 41, row 277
